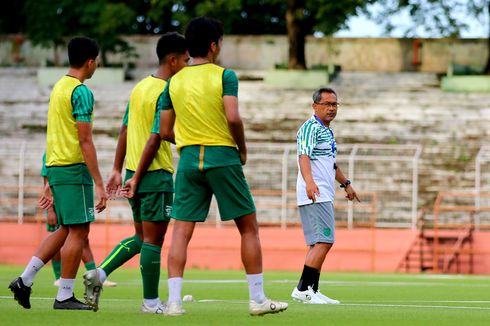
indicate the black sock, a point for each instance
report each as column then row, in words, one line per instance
column 307, row 278
column 316, row 281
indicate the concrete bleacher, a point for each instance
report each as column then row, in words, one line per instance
column 386, row 108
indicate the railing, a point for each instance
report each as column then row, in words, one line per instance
column 386, row 174
column 457, row 211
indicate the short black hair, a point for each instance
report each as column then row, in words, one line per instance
column 317, row 95
column 81, row 49
column 200, row 33
column 171, row 42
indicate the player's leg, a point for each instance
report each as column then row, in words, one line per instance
column 75, row 211
column 89, row 262
column 176, row 260
column 122, row 252
column 318, row 228
column 235, row 202
column 71, row 255
column 21, row 286
column 56, row 265
column 155, row 210
column 56, row 260
column 191, row 205
column 88, row 256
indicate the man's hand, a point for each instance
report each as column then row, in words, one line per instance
column 243, row 156
column 113, row 185
column 351, row 193
column 46, row 200
column 101, row 198
column 52, row 220
column 312, row 190
column 129, row 188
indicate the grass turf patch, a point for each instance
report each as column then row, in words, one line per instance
column 221, row 298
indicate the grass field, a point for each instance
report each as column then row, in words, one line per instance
column 221, row 299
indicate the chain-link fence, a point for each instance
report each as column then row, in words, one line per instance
column 385, row 176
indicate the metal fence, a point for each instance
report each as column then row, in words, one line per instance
column 385, row 176
column 482, row 185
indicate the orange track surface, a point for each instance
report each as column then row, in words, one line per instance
column 364, row 250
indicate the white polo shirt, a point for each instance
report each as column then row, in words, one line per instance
column 318, row 142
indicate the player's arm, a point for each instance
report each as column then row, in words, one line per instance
column 51, row 219
column 46, row 200
column 342, row 179
column 114, row 181
column 90, row 156
column 312, row 190
column 306, row 141
column 149, row 152
column 165, row 116
column 82, row 103
column 230, row 102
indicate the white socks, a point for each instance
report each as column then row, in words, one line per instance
column 31, row 270
column 65, row 290
column 151, row 302
column 102, row 275
column 256, row 287
column 175, row 289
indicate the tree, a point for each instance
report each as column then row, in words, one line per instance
column 436, row 18
column 307, row 16
column 49, row 23
column 48, row 35
column 11, row 18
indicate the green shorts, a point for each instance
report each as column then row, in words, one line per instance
column 194, row 190
column 74, row 204
column 151, row 206
column 52, row 228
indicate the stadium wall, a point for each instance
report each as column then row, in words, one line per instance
column 357, row 250
column 264, row 51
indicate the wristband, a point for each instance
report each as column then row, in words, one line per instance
column 345, row 184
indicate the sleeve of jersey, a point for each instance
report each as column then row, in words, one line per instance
column 126, row 114
column 164, row 101
column 82, row 101
column 306, row 140
column 44, row 170
column 155, row 129
column 230, row 83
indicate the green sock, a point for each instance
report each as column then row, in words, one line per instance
column 123, row 252
column 90, row 265
column 56, row 268
column 150, row 269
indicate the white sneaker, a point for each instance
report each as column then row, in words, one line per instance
column 93, row 287
column 158, row 309
column 308, row 296
column 326, row 299
column 266, row 307
column 57, row 283
column 109, row 284
column 174, row 308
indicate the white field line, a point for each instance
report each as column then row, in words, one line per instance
column 333, row 283
column 384, row 305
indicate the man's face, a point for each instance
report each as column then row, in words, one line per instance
column 217, row 49
column 92, row 66
column 326, row 108
column 181, row 61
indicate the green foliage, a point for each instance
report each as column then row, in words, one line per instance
column 429, row 17
column 330, row 16
column 52, row 22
